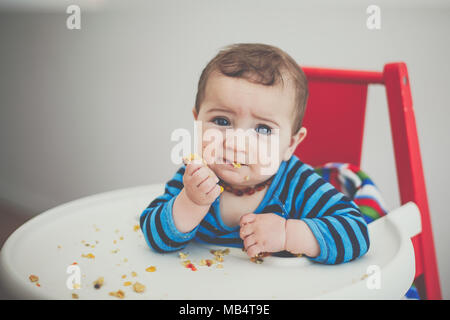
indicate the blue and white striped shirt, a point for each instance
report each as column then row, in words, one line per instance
column 296, row 192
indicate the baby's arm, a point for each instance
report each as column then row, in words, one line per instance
column 339, row 230
column 171, row 220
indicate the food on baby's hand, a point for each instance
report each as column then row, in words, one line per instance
column 194, row 156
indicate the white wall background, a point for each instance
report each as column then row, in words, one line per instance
column 82, row 112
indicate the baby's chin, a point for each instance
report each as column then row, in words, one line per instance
column 242, row 176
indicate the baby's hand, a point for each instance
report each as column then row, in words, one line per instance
column 263, row 233
column 200, row 183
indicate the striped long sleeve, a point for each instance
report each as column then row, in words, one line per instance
column 296, row 192
column 157, row 222
column 334, row 219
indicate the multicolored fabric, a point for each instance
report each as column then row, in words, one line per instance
column 358, row 186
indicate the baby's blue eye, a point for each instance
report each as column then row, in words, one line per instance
column 263, row 129
column 221, row 121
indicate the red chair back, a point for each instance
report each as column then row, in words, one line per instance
column 334, row 119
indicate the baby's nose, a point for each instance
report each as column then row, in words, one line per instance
column 237, row 146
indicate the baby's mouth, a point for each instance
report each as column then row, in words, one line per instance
column 233, row 163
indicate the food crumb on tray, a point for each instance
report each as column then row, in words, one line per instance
column 138, row 287
column 260, row 257
column 75, row 296
column 99, row 283
column 151, row 269
column 118, row 294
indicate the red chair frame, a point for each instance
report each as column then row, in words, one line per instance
column 334, row 119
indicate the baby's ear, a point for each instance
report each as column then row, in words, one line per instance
column 295, row 141
column 194, row 112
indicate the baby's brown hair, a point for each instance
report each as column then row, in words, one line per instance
column 258, row 63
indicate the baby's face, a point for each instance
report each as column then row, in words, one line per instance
column 261, row 115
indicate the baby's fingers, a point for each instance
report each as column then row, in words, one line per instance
column 254, row 250
column 215, row 192
column 247, row 218
column 246, row 230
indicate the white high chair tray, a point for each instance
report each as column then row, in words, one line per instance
column 48, row 244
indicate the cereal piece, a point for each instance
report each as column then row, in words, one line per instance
column 151, row 269
column 118, row 294
column 209, row 262
column 77, row 286
column 219, row 266
column 191, row 266
column 125, row 260
column 221, row 189
column 138, row 287
column 246, row 178
column 59, row 247
column 136, row 227
column 89, row 256
column 185, row 262
column 121, row 238
column 259, row 257
column 115, row 241
column 236, row 165
column 133, row 274
column 124, row 276
column 74, row 296
column 98, row 283
column 182, row 255
column 115, row 251
column 127, row 283
column 33, row 278
column 194, row 156
column 256, row 260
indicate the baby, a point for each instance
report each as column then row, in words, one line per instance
column 227, row 199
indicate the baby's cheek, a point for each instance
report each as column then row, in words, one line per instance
column 212, row 145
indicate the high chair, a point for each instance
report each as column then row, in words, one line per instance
column 341, row 94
